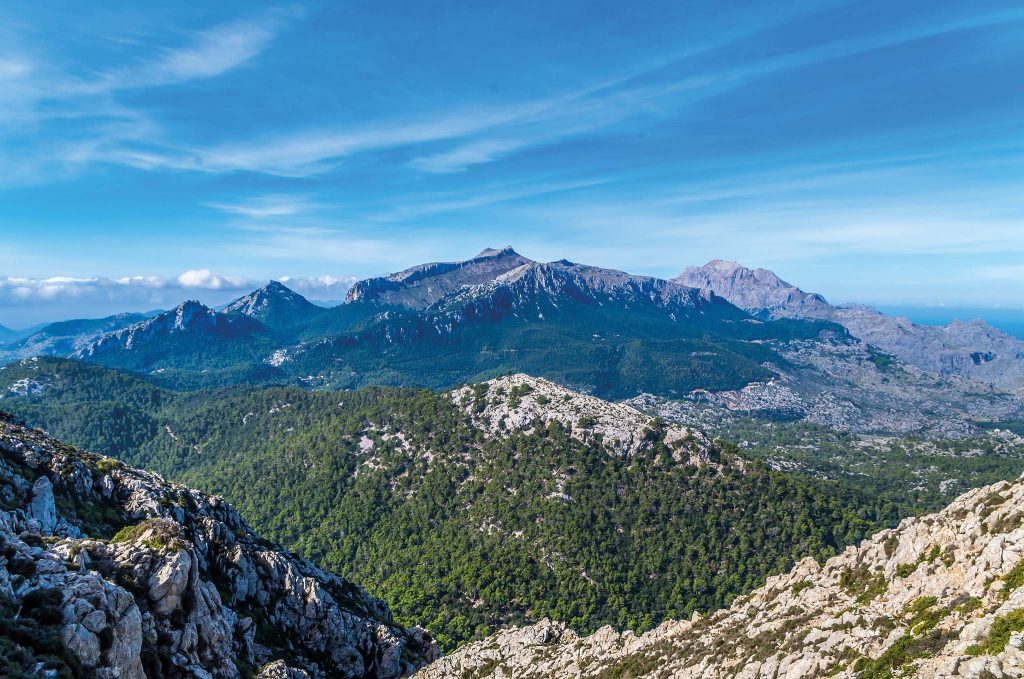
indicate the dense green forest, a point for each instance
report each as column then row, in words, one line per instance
column 463, row 531
column 918, row 473
column 459, row 530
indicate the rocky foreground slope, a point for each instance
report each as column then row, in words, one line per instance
column 938, row 596
column 112, row 570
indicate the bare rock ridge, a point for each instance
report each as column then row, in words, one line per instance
column 516, row 402
column 974, row 349
column 183, row 589
column 420, row 286
column 938, row 596
column 530, row 286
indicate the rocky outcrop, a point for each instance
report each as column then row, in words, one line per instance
column 183, row 587
column 940, row 595
column 521, row 402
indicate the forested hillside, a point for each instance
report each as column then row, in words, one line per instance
column 458, row 528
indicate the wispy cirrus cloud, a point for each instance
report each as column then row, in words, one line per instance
column 59, row 122
column 207, row 54
column 483, row 134
column 268, row 206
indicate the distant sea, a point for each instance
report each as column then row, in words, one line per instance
column 1008, row 320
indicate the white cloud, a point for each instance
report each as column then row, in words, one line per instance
column 204, row 279
column 88, row 124
column 208, row 54
column 267, row 207
column 473, row 153
column 60, row 297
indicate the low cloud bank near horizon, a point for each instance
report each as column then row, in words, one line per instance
column 26, row 301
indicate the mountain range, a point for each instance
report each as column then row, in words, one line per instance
column 973, row 350
column 733, row 338
column 64, row 337
column 513, row 455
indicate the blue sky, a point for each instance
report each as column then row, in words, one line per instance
column 869, row 151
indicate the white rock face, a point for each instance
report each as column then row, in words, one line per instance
column 518, row 402
column 42, row 508
column 186, row 586
column 929, row 596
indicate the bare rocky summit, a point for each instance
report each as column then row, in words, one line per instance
column 757, row 291
column 519, row 402
column 938, row 596
column 420, row 286
column 274, row 305
column 184, row 588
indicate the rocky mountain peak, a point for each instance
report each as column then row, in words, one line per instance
column 938, row 596
column 534, row 288
column 520, row 402
column 274, row 304
column 421, row 286
column 758, row 291
column 506, row 251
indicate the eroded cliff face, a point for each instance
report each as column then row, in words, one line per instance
column 137, row 576
column 940, row 595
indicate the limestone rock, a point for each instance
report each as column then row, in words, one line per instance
column 42, row 508
column 185, row 589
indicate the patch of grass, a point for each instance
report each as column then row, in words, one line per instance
column 1014, row 579
column 128, row 533
column 1002, row 627
column 969, row 606
column 862, row 584
column 801, row 586
column 923, row 614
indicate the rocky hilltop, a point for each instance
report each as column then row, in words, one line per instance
column 519, row 402
column 940, row 595
column 974, row 350
column 115, row 571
